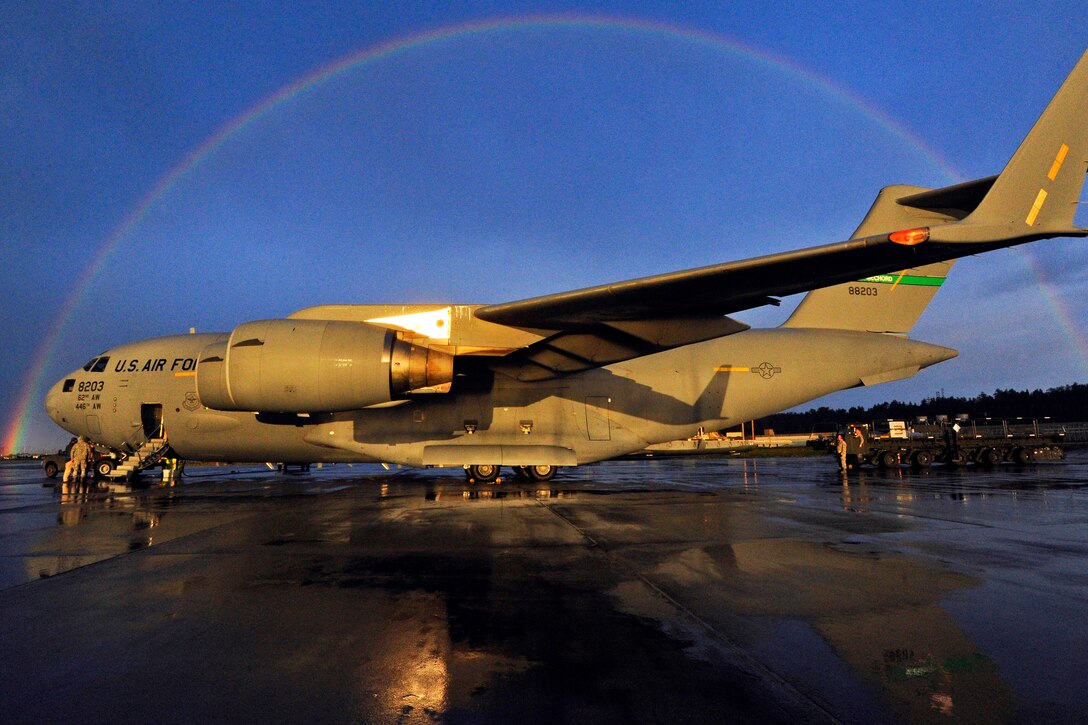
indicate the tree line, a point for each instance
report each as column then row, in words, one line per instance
column 1066, row 403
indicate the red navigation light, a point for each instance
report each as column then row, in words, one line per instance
column 910, row 237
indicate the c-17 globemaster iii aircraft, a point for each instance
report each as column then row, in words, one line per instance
column 576, row 377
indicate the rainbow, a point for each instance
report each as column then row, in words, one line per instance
column 34, row 379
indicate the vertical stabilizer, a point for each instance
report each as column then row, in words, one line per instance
column 881, row 303
column 1034, row 197
column 1041, row 184
column 884, row 302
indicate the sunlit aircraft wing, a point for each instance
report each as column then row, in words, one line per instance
column 734, row 286
column 609, row 323
column 718, row 289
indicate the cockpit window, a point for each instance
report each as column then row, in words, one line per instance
column 90, row 364
column 100, row 364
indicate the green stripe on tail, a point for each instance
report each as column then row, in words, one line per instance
column 915, row 280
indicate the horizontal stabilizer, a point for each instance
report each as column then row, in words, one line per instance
column 890, row 302
column 955, row 201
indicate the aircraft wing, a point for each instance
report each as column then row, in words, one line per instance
column 726, row 288
column 610, row 323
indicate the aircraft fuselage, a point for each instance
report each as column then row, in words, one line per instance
column 580, row 418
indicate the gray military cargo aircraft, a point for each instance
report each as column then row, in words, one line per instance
column 576, row 377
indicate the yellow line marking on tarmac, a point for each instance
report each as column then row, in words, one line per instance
column 1057, row 162
column 1036, row 207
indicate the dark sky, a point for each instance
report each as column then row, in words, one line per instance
column 176, row 165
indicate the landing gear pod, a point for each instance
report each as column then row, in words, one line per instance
column 315, row 366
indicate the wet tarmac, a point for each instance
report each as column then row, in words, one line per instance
column 701, row 590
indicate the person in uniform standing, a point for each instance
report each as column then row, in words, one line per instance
column 70, row 463
column 840, row 451
column 80, row 457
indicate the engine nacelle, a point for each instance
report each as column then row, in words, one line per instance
column 314, row 366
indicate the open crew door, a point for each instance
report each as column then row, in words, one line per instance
column 151, row 418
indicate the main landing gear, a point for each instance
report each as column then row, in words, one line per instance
column 485, row 473
column 489, row 473
column 537, row 473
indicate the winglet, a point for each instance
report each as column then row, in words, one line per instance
column 1041, row 185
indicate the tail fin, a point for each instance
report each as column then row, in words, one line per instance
column 1041, row 184
column 885, row 302
column 1034, row 197
column 882, row 303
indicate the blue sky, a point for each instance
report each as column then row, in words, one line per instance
column 533, row 157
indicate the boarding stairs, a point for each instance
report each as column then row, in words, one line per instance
column 143, row 452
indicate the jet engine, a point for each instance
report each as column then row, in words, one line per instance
column 315, row 366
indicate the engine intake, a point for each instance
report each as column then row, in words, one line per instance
column 315, row 366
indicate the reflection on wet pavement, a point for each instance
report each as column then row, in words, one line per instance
column 648, row 591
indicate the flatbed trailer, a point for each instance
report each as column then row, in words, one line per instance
column 958, row 443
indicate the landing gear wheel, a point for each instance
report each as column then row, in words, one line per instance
column 103, row 468
column 921, row 459
column 51, row 469
column 483, row 473
column 988, row 457
column 541, row 473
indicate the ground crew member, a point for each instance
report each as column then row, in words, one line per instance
column 80, row 456
column 170, row 471
column 69, row 464
column 840, row 451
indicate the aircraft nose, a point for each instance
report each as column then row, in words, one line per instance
column 53, row 402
